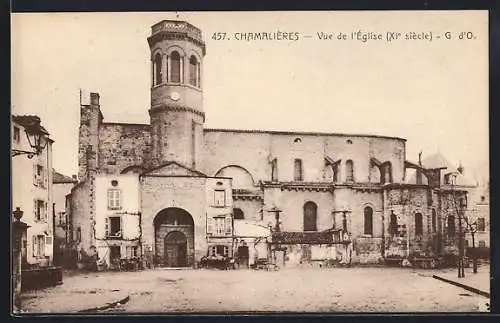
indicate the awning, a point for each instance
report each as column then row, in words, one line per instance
column 244, row 228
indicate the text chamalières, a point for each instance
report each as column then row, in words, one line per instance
column 358, row 35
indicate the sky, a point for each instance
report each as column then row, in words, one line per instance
column 432, row 93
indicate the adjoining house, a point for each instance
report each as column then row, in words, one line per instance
column 62, row 186
column 32, row 192
column 172, row 191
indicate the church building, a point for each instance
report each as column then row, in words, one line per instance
column 174, row 191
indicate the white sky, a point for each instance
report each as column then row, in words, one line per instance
column 434, row 94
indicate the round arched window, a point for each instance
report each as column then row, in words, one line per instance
column 238, row 214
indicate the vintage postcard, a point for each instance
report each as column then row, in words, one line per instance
column 250, row 162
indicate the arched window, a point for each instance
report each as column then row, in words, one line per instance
column 451, row 226
column 193, row 71
column 387, row 173
column 274, row 170
column 310, row 210
column 393, row 226
column 157, row 69
column 238, row 214
column 434, row 220
column 349, row 167
column 374, row 174
column 175, row 67
column 297, row 175
column 368, row 220
column 418, row 224
column 335, row 169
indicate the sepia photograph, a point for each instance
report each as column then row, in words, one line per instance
column 250, row 162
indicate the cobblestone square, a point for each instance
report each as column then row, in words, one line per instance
column 286, row 290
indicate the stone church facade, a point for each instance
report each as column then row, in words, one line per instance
column 195, row 185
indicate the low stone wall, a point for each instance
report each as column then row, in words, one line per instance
column 41, row 277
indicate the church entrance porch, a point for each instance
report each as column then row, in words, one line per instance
column 174, row 238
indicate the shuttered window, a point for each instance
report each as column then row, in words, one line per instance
column 210, row 226
column 228, row 225
column 114, row 199
column 40, row 210
column 38, row 246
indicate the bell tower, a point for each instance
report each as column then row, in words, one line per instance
column 177, row 117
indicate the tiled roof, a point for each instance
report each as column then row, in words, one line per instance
column 60, row 178
column 323, row 237
column 29, row 120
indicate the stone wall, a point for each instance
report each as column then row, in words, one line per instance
column 187, row 193
column 81, row 215
column 123, row 145
column 252, row 209
column 254, row 150
column 163, row 230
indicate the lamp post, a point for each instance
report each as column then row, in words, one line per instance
column 34, row 133
column 18, row 233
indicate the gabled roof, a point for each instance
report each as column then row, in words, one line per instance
column 172, row 168
column 59, row 178
column 29, row 120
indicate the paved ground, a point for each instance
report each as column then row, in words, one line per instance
column 480, row 280
column 305, row 290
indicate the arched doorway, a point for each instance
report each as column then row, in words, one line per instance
column 174, row 238
column 175, row 251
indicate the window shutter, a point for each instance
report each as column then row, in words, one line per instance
column 35, row 204
column 45, row 177
column 49, row 245
column 43, row 215
column 106, row 227
column 209, row 226
column 110, row 199
column 34, row 175
column 33, row 245
column 41, row 245
column 228, row 225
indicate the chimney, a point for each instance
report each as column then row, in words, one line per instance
column 74, row 177
column 460, row 169
column 94, row 98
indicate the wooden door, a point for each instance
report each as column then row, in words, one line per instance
column 171, row 255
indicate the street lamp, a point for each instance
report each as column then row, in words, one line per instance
column 35, row 134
